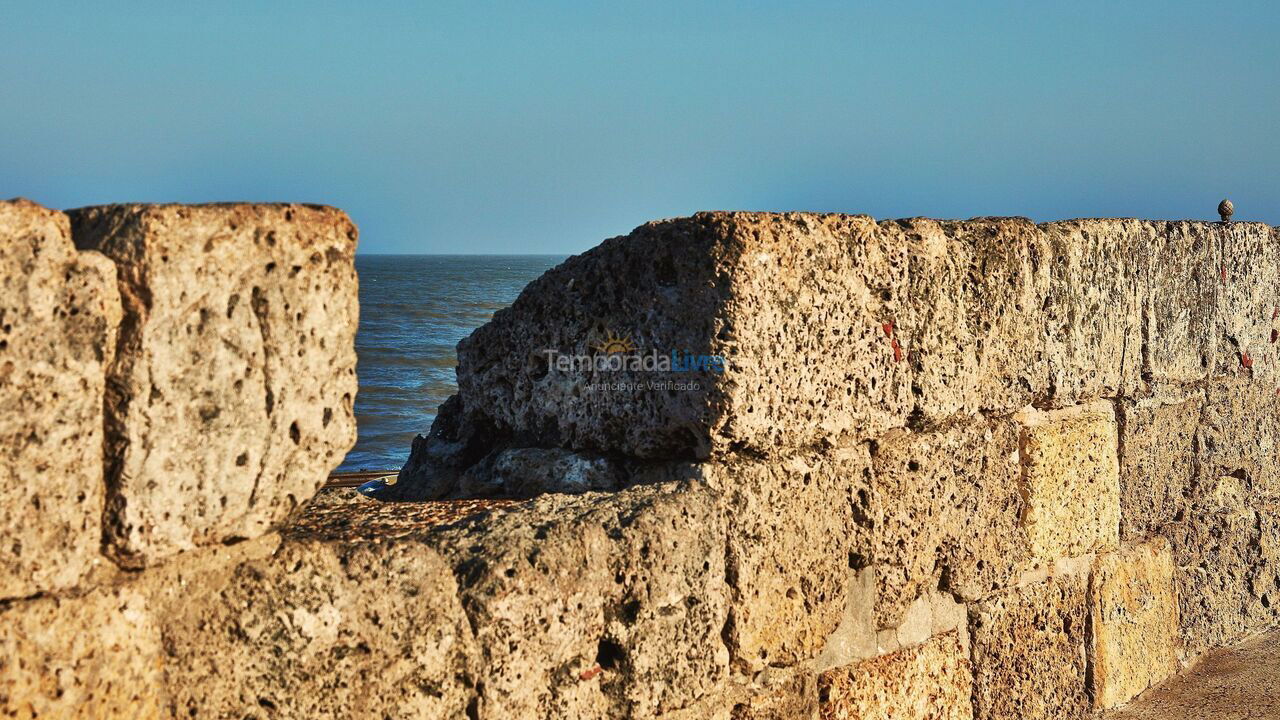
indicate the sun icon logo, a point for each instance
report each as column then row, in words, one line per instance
column 612, row 344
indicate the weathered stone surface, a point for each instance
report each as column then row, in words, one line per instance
column 525, row 472
column 1216, row 550
column 947, row 513
column 230, row 396
column 1093, row 308
column 1158, row 460
column 94, row 656
column 1134, row 628
column 783, row 695
column 1181, row 276
column 968, row 314
column 59, row 312
column 830, row 325
column 325, row 630
column 835, row 327
column 1246, row 303
column 794, row 527
column 1071, row 476
column 1029, row 652
column 1239, row 433
column 595, row 605
column 932, row 681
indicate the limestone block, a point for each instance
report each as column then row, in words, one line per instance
column 1093, row 307
column 793, row 529
column 230, row 397
column 1029, row 652
column 948, row 509
column 968, row 316
column 1216, row 551
column 1182, row 279
column 59, row 312
column 830, row 326
column 1134, row 611
column 95, row 656
column 1158, row 456
column 933, row 681
column 595, row 605
column 835, row 327
column 324, row 630
column 1239, row 435
column 1249, row 273
column 1071, row 476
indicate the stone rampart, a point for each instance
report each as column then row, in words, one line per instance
column 909, row 469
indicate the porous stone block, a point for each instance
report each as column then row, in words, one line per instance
column 97, row 655
column 1134, row 630
column 324, row 629
column 837, row 326
column 595, row 605
column 933, row 681
column 230, row 396
column 1158, row 460
column 1181, row 283
column 794, row 528
column 968, row 316
column 1093, row 308
column 1246, row 304
column 1029, row 652
column 947, row 510
column 1238, row 435
column 829, row 326
column 1071, row 480
column 1216, row 551
column 59, row 312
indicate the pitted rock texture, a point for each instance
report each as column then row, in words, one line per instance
column 1071, row 480
column 595, row 605
column 1221, row 573
column 93, row 656
column 947, row 508
column 1093, row 307
column 1158, row 460
column 793, row 527
column 325, row 630
column 1029, row 653
column 1133, row 622
column 835, row 327
column 230, row 395
column 59, row 312
column 932, row 681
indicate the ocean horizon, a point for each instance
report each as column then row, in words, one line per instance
column 414, row 308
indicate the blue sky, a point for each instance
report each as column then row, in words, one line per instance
column 548, row 126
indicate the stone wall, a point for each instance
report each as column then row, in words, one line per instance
column 175, row 382
column 982, row 469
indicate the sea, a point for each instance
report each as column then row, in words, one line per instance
column 413, row 311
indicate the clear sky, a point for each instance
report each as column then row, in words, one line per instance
column 547, row 126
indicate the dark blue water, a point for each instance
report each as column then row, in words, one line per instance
column 413, row 311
